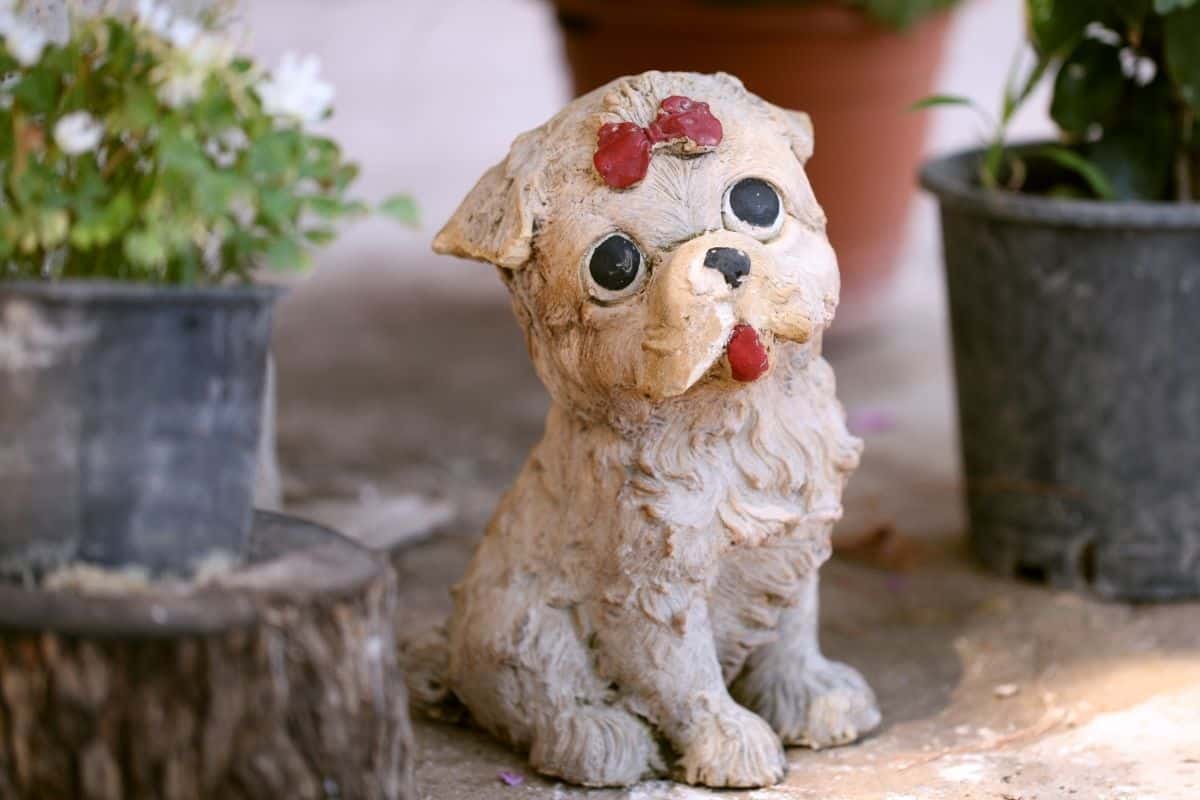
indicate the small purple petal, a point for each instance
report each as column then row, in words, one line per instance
column 870, row 420
column 511, row 778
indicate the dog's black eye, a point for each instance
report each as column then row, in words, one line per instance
column 615, row 264
column 754, row 202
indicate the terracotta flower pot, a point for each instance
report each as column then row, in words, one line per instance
column 854, row 77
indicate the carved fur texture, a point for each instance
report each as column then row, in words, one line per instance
column 644, row 601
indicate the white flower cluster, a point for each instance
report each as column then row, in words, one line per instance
column 224, row 148
column 198, row 53
column 74, row 133
column 296, row 90
column 23, row 40
column 293, row 90
column 78, row 132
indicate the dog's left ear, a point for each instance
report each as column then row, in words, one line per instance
column 494, row 223
column 800, row 128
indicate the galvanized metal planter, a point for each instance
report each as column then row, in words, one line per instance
column 129, row 422
column 1076, row 326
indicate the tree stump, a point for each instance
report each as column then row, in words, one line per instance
column 276, row 680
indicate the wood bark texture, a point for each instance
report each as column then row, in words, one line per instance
column 277, row 681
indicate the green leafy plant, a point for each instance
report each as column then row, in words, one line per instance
column 1126, row 94
column 145, row 148
column 898, row 14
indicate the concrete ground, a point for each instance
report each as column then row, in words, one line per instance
column 406, row 398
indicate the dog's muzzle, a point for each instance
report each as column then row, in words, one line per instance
column 718, row 302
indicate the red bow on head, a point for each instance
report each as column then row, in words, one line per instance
column 623, row 149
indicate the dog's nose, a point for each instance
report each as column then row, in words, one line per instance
column 730, row 262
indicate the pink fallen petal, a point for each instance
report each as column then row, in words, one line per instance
column 511, row 778
column 862, row 421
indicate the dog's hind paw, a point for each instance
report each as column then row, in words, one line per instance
column 596, row 746
column 819, row 703
column 732, row 748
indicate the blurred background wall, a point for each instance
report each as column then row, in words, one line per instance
column 431, row 92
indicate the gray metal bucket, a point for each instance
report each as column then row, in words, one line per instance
column 129, row 422
column 1076, row 329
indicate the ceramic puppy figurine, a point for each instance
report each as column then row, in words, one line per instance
column 644, row 601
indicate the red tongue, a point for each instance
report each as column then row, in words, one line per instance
column 747, row 357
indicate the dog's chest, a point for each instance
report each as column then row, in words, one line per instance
column 752, row 469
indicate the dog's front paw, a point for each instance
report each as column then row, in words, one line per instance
column 815, row 703
column 596, row 746
column 732, row 747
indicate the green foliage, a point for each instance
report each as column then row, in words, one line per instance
column 1126, row 77
column 898, row 14
column 1056, row 25
column 145, row 149
column 935, row 100
column 1167, row 6
column 1097, row 182
column 402, row 208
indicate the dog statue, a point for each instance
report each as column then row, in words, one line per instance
column 644, row 601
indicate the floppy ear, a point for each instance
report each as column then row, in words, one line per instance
column 494, row 223
column 800, row 128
